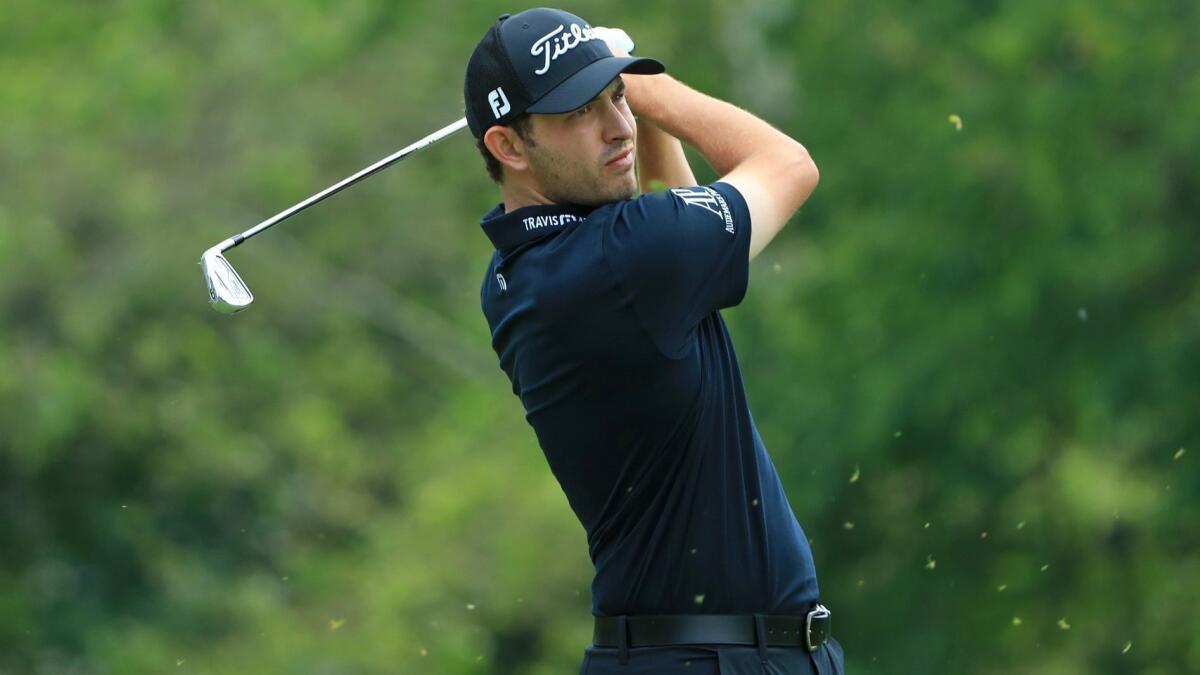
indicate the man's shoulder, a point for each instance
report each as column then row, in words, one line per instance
column 560, row 261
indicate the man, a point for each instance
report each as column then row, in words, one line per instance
column 603, row 307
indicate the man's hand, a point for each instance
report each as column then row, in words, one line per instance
column 617, row 40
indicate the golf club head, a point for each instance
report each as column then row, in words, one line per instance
column 226, row 290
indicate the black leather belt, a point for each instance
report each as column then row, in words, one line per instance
column 803, row 630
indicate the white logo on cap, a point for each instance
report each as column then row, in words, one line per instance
column 499, row 102
column 562, row 44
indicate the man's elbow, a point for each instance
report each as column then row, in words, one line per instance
column 814, row 174
column 802, row 172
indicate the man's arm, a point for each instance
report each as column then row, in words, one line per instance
column 660, row 155
column 660, row 159
column 772, row 171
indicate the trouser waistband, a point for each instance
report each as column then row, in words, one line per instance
column 809, row 630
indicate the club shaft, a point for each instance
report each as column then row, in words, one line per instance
column 334, row 189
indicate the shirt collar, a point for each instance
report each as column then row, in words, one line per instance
column 509, row 230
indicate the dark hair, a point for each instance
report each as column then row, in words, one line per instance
column 523, row 125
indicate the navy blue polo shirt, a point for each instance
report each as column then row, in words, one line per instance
column 606, row 321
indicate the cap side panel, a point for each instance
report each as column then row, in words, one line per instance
column 512, row 70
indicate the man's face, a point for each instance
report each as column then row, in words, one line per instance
column 571, row 154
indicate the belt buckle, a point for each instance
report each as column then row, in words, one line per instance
column 818, row 612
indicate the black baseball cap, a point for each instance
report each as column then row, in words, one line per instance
column 540, row 61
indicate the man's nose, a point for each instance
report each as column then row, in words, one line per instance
column 616, row 126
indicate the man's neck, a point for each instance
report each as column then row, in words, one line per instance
column 518, row 195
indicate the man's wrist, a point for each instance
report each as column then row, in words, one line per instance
column 642, row 91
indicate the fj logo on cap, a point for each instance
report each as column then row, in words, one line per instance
column 561, row 42
column 499, row 102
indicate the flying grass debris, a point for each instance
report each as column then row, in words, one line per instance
column 1179, row 453
column 956, row 121
column 1063, row 625
column 854, row 476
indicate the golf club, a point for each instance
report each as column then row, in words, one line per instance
column 229, row 294
column 226, row 290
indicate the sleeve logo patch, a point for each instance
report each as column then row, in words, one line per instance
column 708, row 199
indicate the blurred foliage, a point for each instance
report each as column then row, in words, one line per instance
column 973, row 354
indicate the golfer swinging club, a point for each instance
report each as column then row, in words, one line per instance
column 603, row 308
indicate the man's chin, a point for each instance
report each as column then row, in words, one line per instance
column 607, row 193
column 627, row 190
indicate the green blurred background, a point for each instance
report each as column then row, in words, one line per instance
column 973, row 354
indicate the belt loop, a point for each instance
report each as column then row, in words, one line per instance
column 760, row 636
column 623, row 639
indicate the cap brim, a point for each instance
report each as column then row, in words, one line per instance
column 585, row 85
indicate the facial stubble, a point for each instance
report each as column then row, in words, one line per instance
column 571, row 182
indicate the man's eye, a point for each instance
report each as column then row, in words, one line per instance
column 618, row 96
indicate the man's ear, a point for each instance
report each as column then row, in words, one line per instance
column 507, row 147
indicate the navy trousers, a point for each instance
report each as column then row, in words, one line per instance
column 715, row 660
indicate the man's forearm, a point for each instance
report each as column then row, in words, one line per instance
column 660, row 159
column 722, row 133
column 772, row 171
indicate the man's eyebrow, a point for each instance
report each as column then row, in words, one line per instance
column 620, row 90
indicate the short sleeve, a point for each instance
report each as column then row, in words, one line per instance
column 679, row 256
